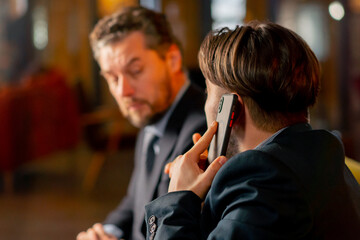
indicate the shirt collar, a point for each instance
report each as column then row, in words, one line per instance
column 269, row 139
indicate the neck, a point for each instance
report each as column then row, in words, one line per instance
column 252, row 137
column 249, row 135
column 178, row 81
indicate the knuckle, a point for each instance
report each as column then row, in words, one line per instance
column 213, row 168
column 187, row 157
column 80, row 235
column 97, row 225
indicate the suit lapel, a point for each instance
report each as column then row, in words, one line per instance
column 139, row 147
column 168, row 141
column 166, row 144
column 147, row 186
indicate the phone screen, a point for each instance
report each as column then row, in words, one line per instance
column 227, row 112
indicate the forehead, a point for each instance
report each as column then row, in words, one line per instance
column 123, row 51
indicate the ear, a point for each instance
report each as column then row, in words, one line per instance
column 241, row 102
column 241, row 109
column 174, row 59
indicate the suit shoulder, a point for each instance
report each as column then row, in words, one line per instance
column 190, row 114
column 247, row 165
column 248, row 158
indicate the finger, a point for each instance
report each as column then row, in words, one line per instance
column 92, row 234
column 213, row 168
column 172, row 165
column 205, row 140
column 98, row 228
column 167, row 168
column 81, row 236
column 205, row 154
column 196, row 137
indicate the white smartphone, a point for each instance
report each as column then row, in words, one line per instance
column 227, row 113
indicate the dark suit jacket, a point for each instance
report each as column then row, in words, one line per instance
column 187, row 118
column 296, row 186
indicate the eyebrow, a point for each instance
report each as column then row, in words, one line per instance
column 135, row 59
column 132, row 60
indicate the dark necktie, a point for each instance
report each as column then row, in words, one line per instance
column 150, row 152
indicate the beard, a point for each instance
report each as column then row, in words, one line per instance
column 233, row 146
column 152, row 111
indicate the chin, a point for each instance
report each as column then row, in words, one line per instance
column 137, row 122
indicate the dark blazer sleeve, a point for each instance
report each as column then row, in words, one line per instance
column 245, row 202
column 175, row 215
column 122, row 215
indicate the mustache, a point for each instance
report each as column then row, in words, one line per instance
column 131, row 101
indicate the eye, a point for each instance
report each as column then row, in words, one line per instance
column 136, row 70
column 109, row 77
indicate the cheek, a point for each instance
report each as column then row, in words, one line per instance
column 112, row 89
column 210, row 111
column 114, row 92
column 158, row 90
column 117, row 97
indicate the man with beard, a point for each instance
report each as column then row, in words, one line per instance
column 282, row 180
column 141, row 61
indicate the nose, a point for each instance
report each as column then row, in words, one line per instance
column 125, row 89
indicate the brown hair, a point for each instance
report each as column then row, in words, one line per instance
column 155, row 27
column 269, row 66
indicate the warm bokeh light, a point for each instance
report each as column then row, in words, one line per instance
column 106, row 7
column 354, row 6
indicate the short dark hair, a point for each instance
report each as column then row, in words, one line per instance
column 155, row 27
column 269, row 66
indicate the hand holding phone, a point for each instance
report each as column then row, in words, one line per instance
column 227, row 113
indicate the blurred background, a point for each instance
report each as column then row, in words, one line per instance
column 65, row 150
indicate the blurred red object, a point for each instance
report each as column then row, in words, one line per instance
column 37, row 118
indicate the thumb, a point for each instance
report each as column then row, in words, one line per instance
column 196, row 137
column 214, row 167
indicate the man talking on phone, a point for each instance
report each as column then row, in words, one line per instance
column 281, row 179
